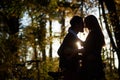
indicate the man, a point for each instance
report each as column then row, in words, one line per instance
column 68, row 51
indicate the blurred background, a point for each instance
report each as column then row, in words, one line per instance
column 31, row 32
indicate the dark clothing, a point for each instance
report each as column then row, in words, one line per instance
column 92, row 61
column 71, row 75
column 69, row 57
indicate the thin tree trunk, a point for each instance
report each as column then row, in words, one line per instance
column 50, row 31
column 63, row 26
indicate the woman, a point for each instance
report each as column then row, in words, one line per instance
column 92, row 61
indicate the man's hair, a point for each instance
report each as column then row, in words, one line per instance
column 75, row 20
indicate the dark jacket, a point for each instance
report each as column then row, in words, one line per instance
column 68, row 53
column 92, row 61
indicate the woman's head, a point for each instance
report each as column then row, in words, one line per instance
column 91, row 22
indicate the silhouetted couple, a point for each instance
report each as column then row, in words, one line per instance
column 91, row 61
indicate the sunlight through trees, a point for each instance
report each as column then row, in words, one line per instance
column 32, row 30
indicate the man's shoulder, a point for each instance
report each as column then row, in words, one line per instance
column 70, row 35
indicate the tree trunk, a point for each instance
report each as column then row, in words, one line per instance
column 115, row 24
column 110, row 4
column 50, row 31
column 63, row 26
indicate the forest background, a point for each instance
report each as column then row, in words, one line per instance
column 32, row 30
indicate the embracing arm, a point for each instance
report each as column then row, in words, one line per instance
column 81, row 51
column 68, row 52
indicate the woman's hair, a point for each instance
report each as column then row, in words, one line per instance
column 93, row 25
column 92, row 22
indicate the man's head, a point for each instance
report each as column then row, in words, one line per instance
column 77, row 23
